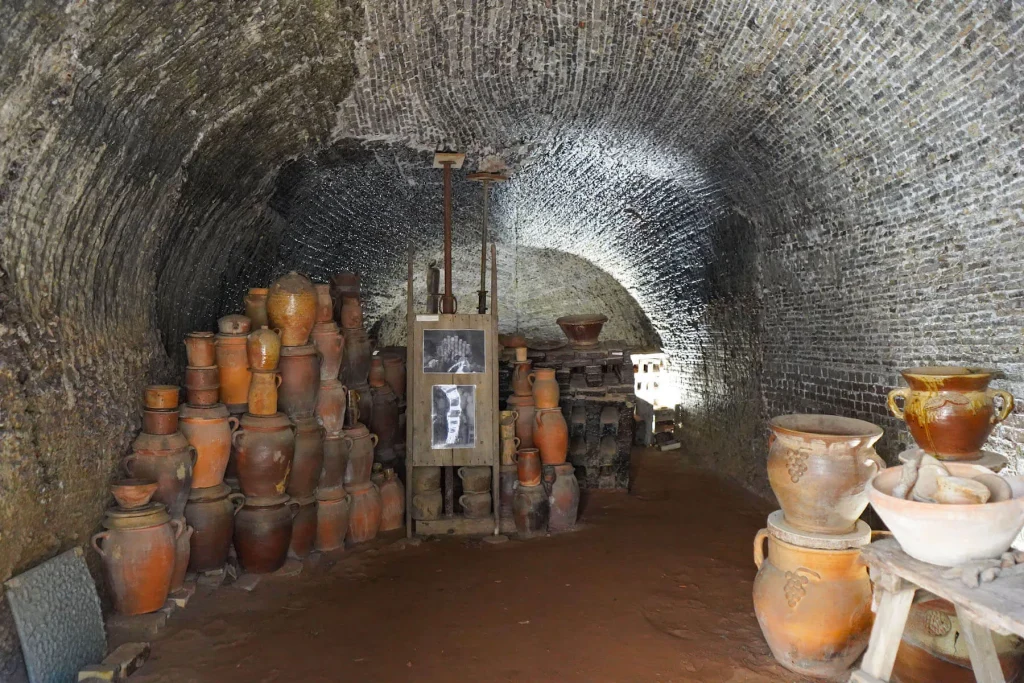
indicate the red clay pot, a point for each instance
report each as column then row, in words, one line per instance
column 545, row 389
column 210, row 511
column 332, row 519
column 360, row 456
column 524, row 406
column 300, row 380
column 263, row 532
column 208, row 430
column 202, row 385
column 582, row 330
column 265, row 448
column 364, row 518
column 330, row 405
column 551, row 436
column 392, row 496
column 355, row 365
column 563, row 497
column 159, row 421
column 167, row 460
column 132, row 494
column 528, row 466
column 199, row 349
column 182, row 552
column 291, row 308
column 330, row 344
column 394, row 373
column 522, row 378
column 256, row 307
column 309, row 458
column 263, row 349
column 161, row 396
column 324, row 303
column 233, row 369
column 336, row 451
column 303, row 528
column 262, row 399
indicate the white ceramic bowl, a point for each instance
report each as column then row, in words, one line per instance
column 948, row 535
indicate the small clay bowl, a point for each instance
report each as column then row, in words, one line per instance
column 133, row 493
column 582, row 330
column 234, row 324
column 161, row 396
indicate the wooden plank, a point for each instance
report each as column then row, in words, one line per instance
column 495, row 408
column 891, row 618
column 984, row 659
column 457, row 526
column 423, row 399
column 410, row 380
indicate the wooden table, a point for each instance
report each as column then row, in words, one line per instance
column 996, row 606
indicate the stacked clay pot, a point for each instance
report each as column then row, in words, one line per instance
column 263, row 353
column 551, row 438
column 202, row 378
column 521, row 401
column 365, row 510
column 530, row 504
column 427, row 500
column 233, row 362
column 210, row 512
column 384, row 415
column 263, row 532
column 812, row 594
column 355, row 368
column 255, row 303
column 392, row 497
column 476, row 500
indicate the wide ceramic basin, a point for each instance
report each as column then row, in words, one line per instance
column 949, row 535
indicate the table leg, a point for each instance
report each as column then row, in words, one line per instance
column 984, row 659
column 893, row 609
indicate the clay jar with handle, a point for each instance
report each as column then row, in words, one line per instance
column 167, row 460
column 360, row 456
column 263, row 532
column 161, row 396
column 324, row 303
column 264, row 449
column 138, row 552
column 199, row 349
column 530, row 510
column 394, row 373
column 392, row 496
column 332, row 519
column 300, row 380
column 509, row 447
column 384, row 420
column 564, row 497
column 355, row 364
column 159, row 421
column 524, row 408
column 291, row 308
column 950, row 411
column 814, row 606
column 330, row 344
column 364, row 517
column 475, row 479
column 818, row 466
column 545, row 389
column 330, row 405
column 528, row 466
column 256, row 307
column 304, row 528
column 336, row 451
column 427, row 478
column 263, row 349
column 182, row 551
column 522, row 378
column 263, row 392
column 551, row 435
column 208, row 430
column 210, row 511
column 309, row 458
column 233, row 369
column 476, row 505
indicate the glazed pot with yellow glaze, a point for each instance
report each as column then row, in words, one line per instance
column 813, row 606
column 949, row 410
column 256, row 306
column 291, row 308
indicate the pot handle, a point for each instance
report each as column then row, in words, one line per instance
column 515, row 416
column 276, row 330
column 348, row 442
column 375, row 439
column 874, row 460
column 771, row 439
column 901, row 392
column 463, row 505
column 1007, row 408
column 179, row 528
column 294, row 505
column 236, row 436
column 515, row 457
column 195, row 455
column 462, row 476
column 278, row 379
column 516, row 440
column 233, row 421
column 189, row 530
column 237, row 501
column 127, row 462
column 531, row 378
column 95, row 541
column 759, row 540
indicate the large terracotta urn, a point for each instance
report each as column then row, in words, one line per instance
column 364, row 515
column 330, row 344
column 304, row 528
column 814, row 606
column 524, row 409
column 545, row 388
column 208, row 429
column 138, row 549
column 300, row 380
column 256, row 306
column 291, row 308
column 950, row 411
column 818, row 466
column 263, row 532
column 551, row 435
column 168, row 460
column 210, row 511
column 265, row 448
column 332, row 519
column 309, row 458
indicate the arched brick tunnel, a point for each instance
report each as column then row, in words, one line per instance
column 793, row 199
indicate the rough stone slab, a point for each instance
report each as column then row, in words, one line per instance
column 248, row 582
column 126, row 659
column 97, row 672
column 181, row 596
column 142, row 627
column 211, row 580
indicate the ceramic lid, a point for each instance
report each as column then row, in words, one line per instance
column 258, row 290
column 304, row 350
column 277, row 420
column 217, row 410
column 230, row 338
column 151, row 514
column 266, row 501
column 784, row 531
column 209, row 493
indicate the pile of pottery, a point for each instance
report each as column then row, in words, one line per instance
column 476, row 500
column 384, row 415
column 427, row 499
column 355, row 369
column 546, row 493
column 812, row 594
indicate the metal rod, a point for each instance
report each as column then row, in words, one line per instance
column 448, row 301
column 482, row 305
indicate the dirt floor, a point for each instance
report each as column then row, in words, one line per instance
column 654, row 586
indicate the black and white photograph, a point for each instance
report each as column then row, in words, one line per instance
column 453, row 416
column 454, row 351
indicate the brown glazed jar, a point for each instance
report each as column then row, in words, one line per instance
column 291, row 308
column 330, row 344
column 303, row 528
column 330, row 405
column 263, row 392
column 324, row 303
column 256, row 307
column 522, row 378
column 364, row 516
column 300, row 380
column 528, row 466
column 309, row 458
column 265, row 447
column 336, row 451
column 332, row 519
column 208, row 430
column 545, row 388
column 355, row 364
column 263, row 532
column 551, row 435
column 360, row 456
column 263, row 349
column 199, row 349
column 182, row 551
column 234, row 325
column 376, row 376
column 233, row 369
column 523, row 406
column 563, row 497
column 161, row 396
column 394, row 373
column 167, row 460
column 210, row 511
column 530, row 510
column 138, row 552
column 384, row 421
column 160, row 422
column 392, row 496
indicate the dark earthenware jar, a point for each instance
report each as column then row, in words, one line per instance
column 300, row 380
column 331, row 404
column 360, row 455
column 351, row 312
column 361, row 397
column 309, row 458
column 394, row 373
column 522, row 378
column 384, row 421
column 530, row 509
column 160, row 422
column 364, row 516
column 336, row 451
column 330, row 343
column 507, row 478
column 167, row 460
column 304, row 528
column 265, row 448
column 210, row 511
column 182, row 551
column 263, row 532
column 355, row 365
column 563, row 496
column 256, row 307
column 332, row 519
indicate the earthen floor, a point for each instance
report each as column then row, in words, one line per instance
column 654, row 586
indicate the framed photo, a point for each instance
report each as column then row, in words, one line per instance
column 453, row 416
column 454, row 351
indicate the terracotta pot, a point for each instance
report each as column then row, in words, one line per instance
column 304, row 528
column 324, row 303
column 351, row 312
column 551, row 436
column 934, row 648
column 336, row 451
column 545, row 388
column 210, row 511
column 509, row 448
column 205, row 396
column 814, row 606
column 564, row 498
column 376, row 376
column 524, row 408
column 950, row 411
column 168, row 461
column 309, row 458
column 291, row 308
column 207, row 377
column 522, row 378
column 161, row 396
column 512, row 341
column 394, row 373
column 528, row 466
column 132, row 494
column 384, row 420
column 263, row 349
column 476, row 505
column 330, row 344
column 300, row 380
column 360, row 404
column 332, row 520
column 262, row 398
column 475, row 479
column 355, row 365
column 256, row 307
column 360, row 456
column 426, row 479
column 582, row 331
column 530, row 510
column 364, row 520
column 233, row 369
column 138, row 552
column 208, row 430
column 263, row 532
column 182, row 552
column 265, row 448
column 234, row 324
column 818, row 466
column 427, row 505
column 330, row 405
column 159, row 421
column 507, row 477
column 199, row 349
column 392, row 496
